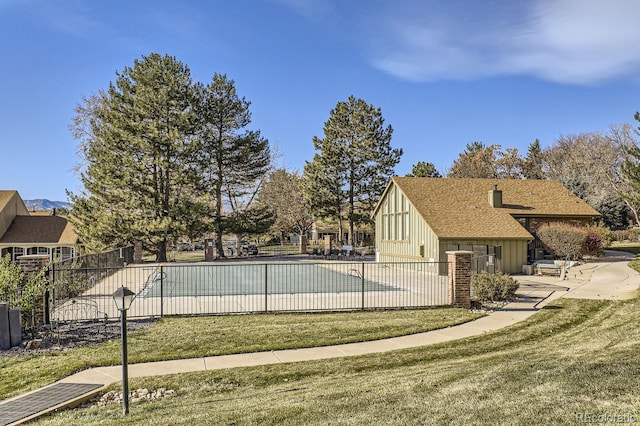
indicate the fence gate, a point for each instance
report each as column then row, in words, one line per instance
column 73, row 291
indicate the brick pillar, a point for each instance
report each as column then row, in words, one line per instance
column 137, row 252
column 327, row 244
column 459, row 291
column 209, row 246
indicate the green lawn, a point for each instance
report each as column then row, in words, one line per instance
column 574, row 358
column 631, row 247
column 176, row 338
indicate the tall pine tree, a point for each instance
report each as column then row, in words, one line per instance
column 136, row 151
column 352, row 164
column 165, row 158
column 232, row 161
column 533, row 162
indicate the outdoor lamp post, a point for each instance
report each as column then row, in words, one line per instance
column 123, row 298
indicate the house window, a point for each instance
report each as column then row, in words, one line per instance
column 395, row 217
column 37, row 250
column 17, row 252
column 67, row 252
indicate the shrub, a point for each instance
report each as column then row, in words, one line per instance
column 631, row 234
column 31, row 298
column 497, row 287
column 607, row 236
column 10, row 278
column 563, row 239
column 592, row 245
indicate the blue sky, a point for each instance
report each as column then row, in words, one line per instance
column 444, row 73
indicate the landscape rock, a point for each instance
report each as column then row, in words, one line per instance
column 114, row 397
column 34, row 344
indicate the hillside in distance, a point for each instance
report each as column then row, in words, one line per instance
column 44, row 204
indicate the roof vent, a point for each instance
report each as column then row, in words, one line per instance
column 495, row 197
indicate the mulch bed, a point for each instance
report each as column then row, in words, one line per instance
column 47, row 339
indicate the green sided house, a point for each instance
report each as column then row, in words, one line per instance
column 25, row 233
column 419, row 219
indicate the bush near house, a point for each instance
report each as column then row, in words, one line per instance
column 607, row 236
column 631, row 234
column 592, row 245
column 10, row 278
column 572, row 242
column 22, row 291
column 564, row 240
column 497, row 287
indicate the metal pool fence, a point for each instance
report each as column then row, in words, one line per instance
column 85, row 293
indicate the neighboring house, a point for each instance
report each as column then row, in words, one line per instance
column 28, row 233
column 422, row 218
column 329, row 227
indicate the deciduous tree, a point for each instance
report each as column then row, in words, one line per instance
column 477, row 161
column 625, row 177
column 282, row 192
column 11, row 277
column 589, row 164
column 563, row 239
column 509, row 164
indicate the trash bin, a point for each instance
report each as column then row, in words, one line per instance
column 5, row 335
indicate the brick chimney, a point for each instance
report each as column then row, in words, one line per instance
column 495, row 197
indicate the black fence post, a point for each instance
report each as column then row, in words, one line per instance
column 362, row 280
column 266, row 288
column 161, row 291
column 47, row 274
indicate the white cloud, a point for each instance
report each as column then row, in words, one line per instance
column 567, row 41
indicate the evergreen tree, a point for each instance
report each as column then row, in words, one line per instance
column 160, row 153
column 422, row 169
column 533, row 162
column 231, row 161
column 136, row 149
column 352, row 164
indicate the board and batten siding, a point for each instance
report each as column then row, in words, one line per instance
column 514, row 252
column 420, row 244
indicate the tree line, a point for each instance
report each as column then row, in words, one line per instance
column 164, row 157
column 602, row 168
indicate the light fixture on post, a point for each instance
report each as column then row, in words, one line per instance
column 123, row 298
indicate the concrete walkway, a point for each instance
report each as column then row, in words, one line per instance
column 609, row 278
